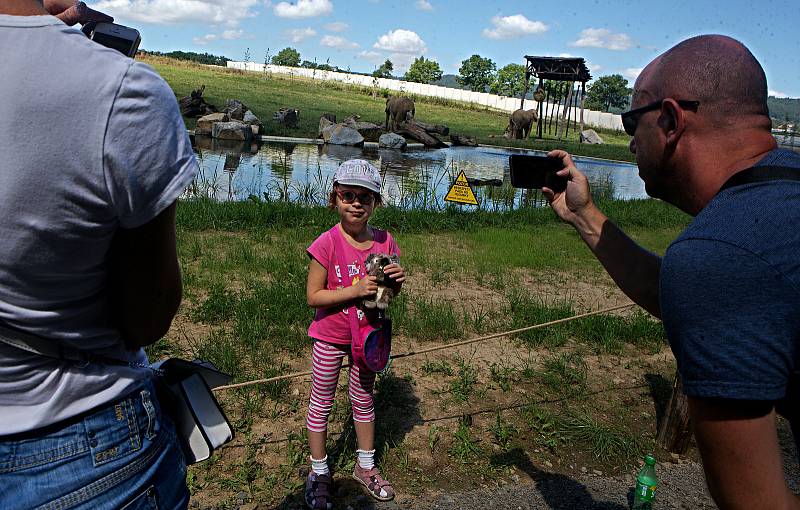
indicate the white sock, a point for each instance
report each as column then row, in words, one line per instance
column 320, row 466
column 366, row 458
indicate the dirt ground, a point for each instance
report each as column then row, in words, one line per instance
column 419, row 418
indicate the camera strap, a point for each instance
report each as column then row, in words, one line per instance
column 762, row 174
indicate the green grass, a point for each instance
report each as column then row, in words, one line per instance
column 313, row 98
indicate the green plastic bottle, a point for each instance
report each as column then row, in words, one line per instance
column 646, row 483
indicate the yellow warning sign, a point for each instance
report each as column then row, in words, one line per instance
column 461, row 192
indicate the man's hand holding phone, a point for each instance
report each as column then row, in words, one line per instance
column 73, row 11
column 575, row 201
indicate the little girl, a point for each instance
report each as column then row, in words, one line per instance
column 355, row 195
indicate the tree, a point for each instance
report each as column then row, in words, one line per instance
column 309, row 64
column 287, row 57
column 477, row 73
column 385, row 70
column 423, row 71
column 607, row 92
column 510, row 81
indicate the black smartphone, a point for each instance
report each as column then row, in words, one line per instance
column 124, row 39
column 536, row 172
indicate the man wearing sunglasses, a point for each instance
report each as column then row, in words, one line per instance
column 728, row 288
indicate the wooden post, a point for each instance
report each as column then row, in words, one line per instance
column 565, row 111
column 675, row 432
column 541, row 113
column 583, row 96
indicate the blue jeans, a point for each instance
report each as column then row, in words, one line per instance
column 125, row 455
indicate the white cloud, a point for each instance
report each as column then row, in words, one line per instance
column 401, row 62
column 297, row 35
column 337, row 26
column 566, row 55
column 168, row 12
column 228, row 35
column 632, row 73
column 424, row 5
column 304, row 9
column 594, row 68
column 401, row 41
column 775, row 93
column 334, row 41
column 371, row 56
column 267, row 4
column 603, row 38
column 510, row 27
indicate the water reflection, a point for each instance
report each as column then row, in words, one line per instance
column 412, row 178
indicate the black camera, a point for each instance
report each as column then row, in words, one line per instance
column 536, row 172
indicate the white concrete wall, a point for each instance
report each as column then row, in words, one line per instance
column 502, row 103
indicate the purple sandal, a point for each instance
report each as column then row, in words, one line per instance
column 378, row 488
column 318, row 495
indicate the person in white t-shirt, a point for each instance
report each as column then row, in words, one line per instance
column 93, row 156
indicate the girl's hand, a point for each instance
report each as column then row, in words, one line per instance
column 367, row 286
column 395, row 272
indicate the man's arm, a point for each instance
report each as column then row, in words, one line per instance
column 145, row 281
column 634, row 269
column 741, row 456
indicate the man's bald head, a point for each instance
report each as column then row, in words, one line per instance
column 716, row 70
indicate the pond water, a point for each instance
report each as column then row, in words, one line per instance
column 412, row 178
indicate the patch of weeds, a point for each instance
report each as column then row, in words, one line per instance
column 218, row 307
column 565, row 373
column 224, row 352
column 548, row 429
column 434, row 436
column 245, row 472
column 502, row 431
column 479, row 318
column 297, row 450
column 464, row 447
column 464, row 384
column 399, row 456
column 440, row 274
column 433, row 319
column 437, row 367
column 607, row 443
column 163, row 348
column 525, row 310
column 502, row 375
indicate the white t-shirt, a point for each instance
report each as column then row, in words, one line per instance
column 91, row 141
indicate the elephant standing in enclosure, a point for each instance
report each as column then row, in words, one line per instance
column 520, row 123
column 400, row 110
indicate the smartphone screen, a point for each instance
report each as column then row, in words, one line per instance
column 536, row 172
column 117, row 43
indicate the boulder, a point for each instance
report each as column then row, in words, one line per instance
column 206, row 123
column 235, row 109
column 466, row 141
column 287, row 116
column 392, row 141
column 254, row 122
column 477, row 181
column 325, row 122
column 233, row 130
column 342, row 135
column 330, row 116
column 590, row 136
column 371, row 132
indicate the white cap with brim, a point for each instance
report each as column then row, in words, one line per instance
column 358, row 172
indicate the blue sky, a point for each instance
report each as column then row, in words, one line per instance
column 613, row 36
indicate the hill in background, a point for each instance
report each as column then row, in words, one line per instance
column 782, row 109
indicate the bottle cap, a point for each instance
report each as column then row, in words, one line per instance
column 650, row 460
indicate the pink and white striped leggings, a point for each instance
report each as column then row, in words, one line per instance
column 326, row 362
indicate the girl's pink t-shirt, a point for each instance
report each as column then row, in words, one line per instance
column 331, row 324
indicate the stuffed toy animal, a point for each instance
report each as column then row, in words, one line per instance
column 374, row 265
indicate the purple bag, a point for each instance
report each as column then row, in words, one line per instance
column 371, row 334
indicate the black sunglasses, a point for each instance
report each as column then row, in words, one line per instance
column 348, row 197
column 630, row 119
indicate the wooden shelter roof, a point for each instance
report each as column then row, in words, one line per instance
column 558, row 68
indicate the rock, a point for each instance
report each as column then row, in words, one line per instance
column 343, row 135
column 548, row 463
column 323, row 123
column 515, row 478
column 590, row 136
column 296, row 392
column 194, row 105
column 392, row 141
column 235, row 109
column 463, row 140
column 596, row 472
column 242, row 498
column 330, row 116
column 206, row 123
column 233, row 130
column 583, row 469
column 249, row 506
column 253, row 120
column 371, row 132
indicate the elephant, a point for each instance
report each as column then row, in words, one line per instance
column 400, row 110
column 520, row 123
